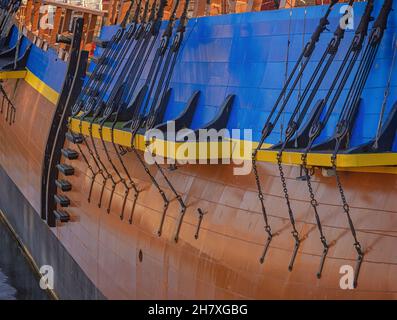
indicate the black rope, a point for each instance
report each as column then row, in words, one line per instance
column 120, row 179
column 385, row 95
column 173, row 52
column 111, row 53
column 102, row 170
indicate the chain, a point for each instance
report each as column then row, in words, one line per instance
column 178, row 197
column 100, row 171
column 105, row 172
column 346, row 209
column 94, row 174
column 131, row 185
column 162, row 193
column 121, row 179
column 264, row 213
column 314, row 204
column 294, row 232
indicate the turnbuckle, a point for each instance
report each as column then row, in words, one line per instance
column 267, row 244
column 346, row 208
column 165, row 208
column 359, row 261
column 323, row 256
column 133, row 205
column 296, row 248
column 178, row 229
column 200, row 219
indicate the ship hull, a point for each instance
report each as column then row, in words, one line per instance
column 112, row 257
column 99, row 255
column 22, row 146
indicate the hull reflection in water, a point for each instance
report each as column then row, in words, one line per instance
column 17, row 278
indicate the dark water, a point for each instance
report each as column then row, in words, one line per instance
column 18, row 281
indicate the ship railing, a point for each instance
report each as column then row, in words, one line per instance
column 45, row 22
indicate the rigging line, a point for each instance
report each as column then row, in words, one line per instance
column 313, row 202
column 355, row 47
column 143, row 37
column 286, row 63
column 121, row 179
column 93, row 172
column 346, row 209
column 366, row 62
column 106, row 171
column 304, row 57
column 104, row 65
column 99, row 163
column 99, row 169
column 300, row 82
column 151, row 81
column 269, row 125
column 136, row 123
column 330, row 52
column 149, row 31
column 174, row 50
column 342, row 127
column 159, row 189
column 138, row 35
column 386, row 95
column 153, row 31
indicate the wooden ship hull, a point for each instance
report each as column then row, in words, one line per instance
column 98, row 254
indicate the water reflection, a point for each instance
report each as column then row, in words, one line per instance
column 17, row 278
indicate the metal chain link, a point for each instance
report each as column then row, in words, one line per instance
column 346, row 209
column 121, row 179
column 345, row 206
column 314, row 204
column 154, row 181
column 264, row 213
column 94, row 174
column 294, row 232
column 105, row 173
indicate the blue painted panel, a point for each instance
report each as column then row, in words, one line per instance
column 14, row 36
column 47, row 67
column 248, row 55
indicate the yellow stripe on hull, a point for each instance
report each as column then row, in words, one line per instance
column 40, row 86
column 21, row 74
column 379, row 163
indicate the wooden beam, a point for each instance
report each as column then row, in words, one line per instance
column 91, row 28
column 36, row 15
column 57, row 22
column 66, row 20
column 28, row 13
column 123, row 10
column 75, row 8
